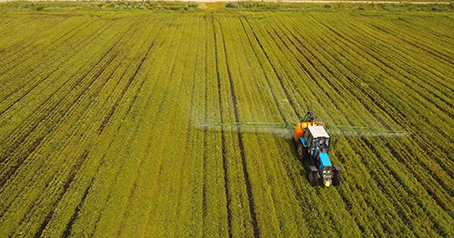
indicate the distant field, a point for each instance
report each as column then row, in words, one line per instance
column 100, row 115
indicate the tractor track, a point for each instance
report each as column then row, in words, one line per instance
column 72, row 174
column 240, row 142
column 425, row 48
column 112, row 111
column 278, row 75
column 298, row 194
column 76, row 213
column 400, row 107
column 440, row 87
column 388, row 168
column 131, row 193
column 387, row 65
column 261, row 64
column 401, row 207
column 223, row 139
column 426, row 168
column 205, row 132
column 20, row 141
column 74, row 31
column 69, row 108
column 43, row 79
column 25, row 71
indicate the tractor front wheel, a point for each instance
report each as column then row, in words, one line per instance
column 313, row 179
column 336, row 178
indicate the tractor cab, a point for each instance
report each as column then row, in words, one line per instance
column 315, row 144
column 317, row 138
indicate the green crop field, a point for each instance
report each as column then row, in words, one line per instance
column 102, row 118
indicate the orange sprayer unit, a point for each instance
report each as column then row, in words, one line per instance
column 300, row 128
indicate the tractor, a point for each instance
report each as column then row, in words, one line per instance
column 312, row 146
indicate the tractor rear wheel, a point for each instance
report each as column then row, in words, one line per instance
column 336, row 178
column 300, row 151
column 313, row 179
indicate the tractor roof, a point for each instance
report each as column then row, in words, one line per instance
column 318, row 131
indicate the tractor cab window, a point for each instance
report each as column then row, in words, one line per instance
column 323, row 143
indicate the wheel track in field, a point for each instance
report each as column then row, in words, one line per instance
column 267, row 78
column 427, row 49
column 297, row 192
column 25, row 71
column 75, row 215
column 32, row 47
column 292, row 177
column 411, row 105
column 47, row 183
column 79, row 97
column 240, row 143
column 205, row 131
column 388, row 66
column 314, row 80
column 131, row 193
column 278, row 76
column 123, row 92
column 20, row 140
column 73, row 172
column 428, row 87
column 440, row 181
column 223, row 139
column 39, row 82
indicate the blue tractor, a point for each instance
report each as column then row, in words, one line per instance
column 313, row 144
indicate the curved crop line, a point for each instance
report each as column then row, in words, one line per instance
column 290, row 100
column 240, row 142
column 223, row 139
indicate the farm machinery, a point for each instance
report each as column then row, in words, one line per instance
column 312, row 145
column 311, row 139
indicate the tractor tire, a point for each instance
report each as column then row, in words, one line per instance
column 313, row 179
column 336, row 178
column 301, row 151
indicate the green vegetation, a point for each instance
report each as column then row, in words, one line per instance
column 100, row 115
